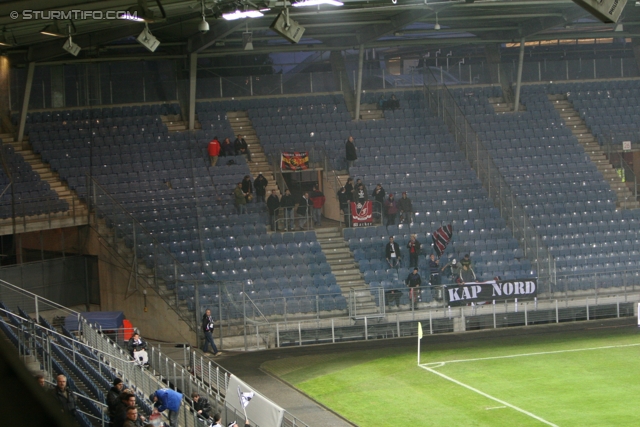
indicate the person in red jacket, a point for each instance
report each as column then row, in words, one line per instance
column 214, row 150
column 318, row 199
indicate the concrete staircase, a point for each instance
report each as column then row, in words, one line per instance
column 241, row 125
column 371, row 112
column 175, row 123
column 500, row 106
column 77, row 214
column 572, row 119
column 347, row 273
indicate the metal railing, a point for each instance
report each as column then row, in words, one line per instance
column 443, row 103
column 625, row 171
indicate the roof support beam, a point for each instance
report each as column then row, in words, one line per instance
column 199, row 42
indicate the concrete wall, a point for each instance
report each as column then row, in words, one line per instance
column 151, row 314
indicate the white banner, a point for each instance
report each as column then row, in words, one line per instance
column 260, row 410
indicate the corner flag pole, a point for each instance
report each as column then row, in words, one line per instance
column 419, row 338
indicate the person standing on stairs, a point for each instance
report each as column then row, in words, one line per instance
column 260, row 184
column 351, row 154
column 214, row 150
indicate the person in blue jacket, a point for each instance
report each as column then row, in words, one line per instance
column 165, row 398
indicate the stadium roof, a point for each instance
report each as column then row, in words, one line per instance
column 371, row 23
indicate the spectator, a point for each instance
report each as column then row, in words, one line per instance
column 273, row 203
column 466, row 261
column 260, row 184
column 413, row 281
column 164, row 399
column 382, row 102
column 201, row 405
column 393, row 103
column 132, row 418
column 453, row 268
column 348, row 187
column 303, row 211
column 360, row 194
column 287, row 202
column 378, row 196
column 64, row 396
column 406, row 209
column 113, row 397
column 467, row 275
column 392, row 296
column 351, row 155
column 208, row 325
column 227, row 148
column 317, row 199
column 128, row 402
column 414, row 251
column 247, row 188
column 343, row 201
column 392, row 253
column 239, row 199
column 391, row 209
column 41, row 382
column 214, row 150
column 241, row 147
column 434, row 270
column 135, row 344
column 235, row 424
column 216, row 420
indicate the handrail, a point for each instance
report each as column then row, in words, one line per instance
column 445, row 106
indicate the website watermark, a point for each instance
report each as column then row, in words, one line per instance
column 74, row 14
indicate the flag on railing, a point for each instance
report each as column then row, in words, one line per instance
column 441, row 238
column 295, row 161
column 244, row 397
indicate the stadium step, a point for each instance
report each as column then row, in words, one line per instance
column 625, row 198
column 500, row 106
column 259, row 164
column 371, row 112
column 345, row 269
column 40, row 222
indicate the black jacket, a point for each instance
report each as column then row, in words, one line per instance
column 396, row 247
column 343, row 199
column 131, row 346
column 273, row 203
column 67, row 403
column 413, row 280
column 304, row 205
column 113, row 398
column 260, row 183
column 350, row 148
column 379, row 195
column 202, row 405
column 207, row 323
column 287, row 201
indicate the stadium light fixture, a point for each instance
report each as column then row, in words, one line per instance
column 437, row 26
column 305, row 3
column 147, row 39
column 71, row 47
column 52, row 30
column 241, row 14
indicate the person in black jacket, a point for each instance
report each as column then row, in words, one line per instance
column 304, row 209
column 273, row 203
column 414, row 251
column 201, row 405
column 64, row 396
column 351, row 155
column 136, row 343
column 247, row 188
column 414, row 281
column 288, row 203
column 207, row 327
column 378, row 196
column 392, row 253
column 343, row 200
column 260, row 184
column 113, row 397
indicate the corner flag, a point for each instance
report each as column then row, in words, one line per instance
column 419, row 330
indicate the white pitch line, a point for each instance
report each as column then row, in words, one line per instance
column 495, row 407
column 502, row 402
column 542, row 353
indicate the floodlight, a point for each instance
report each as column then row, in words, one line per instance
column 317, row 3
column 71, row 47
column 148, row 40
column 52, row 30
column 247, row 40
column 7, row 41
column 241, row 14
column 437, row 26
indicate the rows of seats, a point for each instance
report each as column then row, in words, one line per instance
column 29, row 194
column 126, row 111
column 572, row 207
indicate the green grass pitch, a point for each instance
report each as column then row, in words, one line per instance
column 572, row 378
